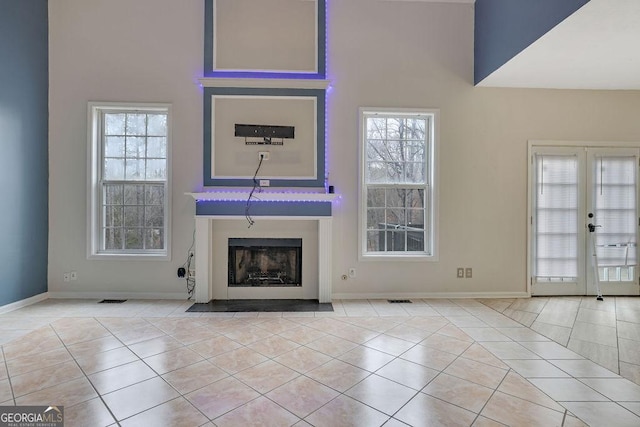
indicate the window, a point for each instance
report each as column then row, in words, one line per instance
column 129, row 180
column 398, row 193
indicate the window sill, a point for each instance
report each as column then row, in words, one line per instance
column 412, row 257
column 105, row 256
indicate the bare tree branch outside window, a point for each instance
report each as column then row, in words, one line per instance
column 134, row 172
column 396, row 176
column 397, row 182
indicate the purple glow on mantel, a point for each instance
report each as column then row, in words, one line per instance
column 236, row 191
column 291, row 196
column 256, row 199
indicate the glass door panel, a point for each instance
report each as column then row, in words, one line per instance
column 584, row 221
column 613, row 203
column 557, row 230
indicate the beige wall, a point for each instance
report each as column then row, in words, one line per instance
column 121, row 50
column 381, row 54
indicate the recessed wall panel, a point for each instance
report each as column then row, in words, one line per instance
column 265, row 35
column 233, row 158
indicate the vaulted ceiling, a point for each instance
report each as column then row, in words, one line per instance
column 595, row 47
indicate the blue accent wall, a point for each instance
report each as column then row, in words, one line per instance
column 504, row 28
column 24, row 160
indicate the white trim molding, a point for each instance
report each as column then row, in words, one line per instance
column 95, row 160
column 428, row 295
column 119, row 295
column 265, row 196
column 430, row 184
column 24, row 303
column 264, row 83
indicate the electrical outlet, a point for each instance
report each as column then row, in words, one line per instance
column 265, row 183
column 468, row 272
column 352, row 272
column 73, row 275
column 66, row 277
column 460, row 273
column 264, row 155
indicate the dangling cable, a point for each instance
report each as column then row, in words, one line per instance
column 190, row 279
column 255, row 185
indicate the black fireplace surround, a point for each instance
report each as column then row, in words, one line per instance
column 266, row 262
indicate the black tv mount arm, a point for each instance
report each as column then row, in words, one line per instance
column 264, row 134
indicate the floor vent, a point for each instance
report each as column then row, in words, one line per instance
column 112, row 301
column 399, row 301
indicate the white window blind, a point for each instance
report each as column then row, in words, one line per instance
column 614, row 195
column 556, row 227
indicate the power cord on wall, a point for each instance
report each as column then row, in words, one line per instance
column 191, row 280
column 255, row 186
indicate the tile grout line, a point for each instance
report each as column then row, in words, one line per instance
column 344, row 320
column 300, row 374
column 340, row 393
column 615, row 312
column 84, row 373
column 139, row 382
column 490, row 397
column 564, row 417
column 439, row 373
column 6, row 367
column 158, row 375
column 570, row 375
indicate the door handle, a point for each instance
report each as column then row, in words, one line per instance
column 592, row 227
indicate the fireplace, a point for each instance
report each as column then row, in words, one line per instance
column 265, row 262
column 220, row 216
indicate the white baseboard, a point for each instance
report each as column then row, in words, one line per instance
column 179, row 296
column 23, row 303
column 119, row 295
column 434, row 295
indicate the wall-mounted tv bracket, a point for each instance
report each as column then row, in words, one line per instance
column 264, row 134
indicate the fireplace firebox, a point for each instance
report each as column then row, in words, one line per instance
column 268, row 262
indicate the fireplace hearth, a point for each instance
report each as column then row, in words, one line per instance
column 265, row 262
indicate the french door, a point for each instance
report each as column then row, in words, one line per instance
column 583, row 220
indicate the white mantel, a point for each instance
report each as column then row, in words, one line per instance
column 205, row 224
column 267, row 196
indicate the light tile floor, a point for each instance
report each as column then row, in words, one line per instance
column 432, row 362
column 607, row 332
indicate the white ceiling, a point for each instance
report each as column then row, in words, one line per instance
column 598, row 47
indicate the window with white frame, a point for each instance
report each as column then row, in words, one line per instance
column 398, row 194
column 129, row 180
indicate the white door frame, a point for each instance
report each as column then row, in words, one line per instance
column 532, row 145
